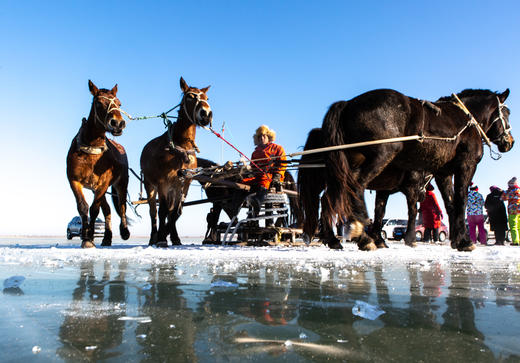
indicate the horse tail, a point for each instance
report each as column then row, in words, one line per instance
column 311, row 183
column 340, row 182
column 115, row 200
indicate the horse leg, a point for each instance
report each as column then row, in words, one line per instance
column 163, row 223
column 152, row 204
column 412, row 197
column 105, row 208
column 99, row 195
column 121, row 189
column 460, row 198
column 379, row 213
column 327, row 231
column 172, row 220
column 368, row 171
column 360, row 220
column 82, row 205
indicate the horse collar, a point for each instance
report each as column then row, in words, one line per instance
column 91, row 150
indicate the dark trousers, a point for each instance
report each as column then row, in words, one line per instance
column 431, row 233
column 500, row 236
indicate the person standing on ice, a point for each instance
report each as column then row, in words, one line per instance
column 496, row 211
column 431, row 215
column 512, row 196
column 475, row 215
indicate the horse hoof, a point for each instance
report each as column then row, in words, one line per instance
column 411, row 244
column 162, row 244
column 336, row 245
column 125, row 233
column 106, row 243
column 466, row 248
column 176, row 243
column 453, row 245
column 370, row 246
column 88, row 244
column 381, row 244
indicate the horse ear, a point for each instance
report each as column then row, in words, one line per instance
column 184, row 85
column 114, row 90
column 503, row 96
column 92, row 87
column 205, row 89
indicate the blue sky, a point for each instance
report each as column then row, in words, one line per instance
column 280, row 63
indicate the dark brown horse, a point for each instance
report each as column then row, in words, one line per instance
column 95, row 162
column 225, row 201
column 450, row 147
column 164, row 156
column 388, row 182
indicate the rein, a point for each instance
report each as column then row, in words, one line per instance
column 241, row 153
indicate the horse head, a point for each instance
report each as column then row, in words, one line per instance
column 106, row 109
column 499, row 131
column 195, row 104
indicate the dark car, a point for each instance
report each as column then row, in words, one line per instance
column 74, row 227
column 400, row 231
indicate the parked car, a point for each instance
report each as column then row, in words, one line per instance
column 389, row 226
column 74, row 227
column 400, row 231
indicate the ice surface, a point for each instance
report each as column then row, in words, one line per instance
column 227, row 259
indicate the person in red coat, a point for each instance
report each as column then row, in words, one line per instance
column 431, row 215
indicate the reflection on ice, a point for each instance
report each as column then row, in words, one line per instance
column 233, row 303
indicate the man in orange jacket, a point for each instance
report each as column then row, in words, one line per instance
column 270, row 159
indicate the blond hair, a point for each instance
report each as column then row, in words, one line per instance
column 263, row 130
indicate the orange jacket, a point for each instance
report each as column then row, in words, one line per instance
column 269, row 158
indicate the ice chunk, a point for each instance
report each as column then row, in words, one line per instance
column 222, row 283
column 13, row 282
column 367, row 311
column 36, row 349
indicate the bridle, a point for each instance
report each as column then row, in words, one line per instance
column 112, row 106
column 198, row 99
column 505, row 125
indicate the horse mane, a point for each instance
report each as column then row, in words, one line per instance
column 468, row 92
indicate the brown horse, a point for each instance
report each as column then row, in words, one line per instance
column 164, row 156
column 95, row 162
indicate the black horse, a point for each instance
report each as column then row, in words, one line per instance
column 225, row 201
column 391, row 180
column 449, row 146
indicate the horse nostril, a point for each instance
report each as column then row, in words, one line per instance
column 122, row 124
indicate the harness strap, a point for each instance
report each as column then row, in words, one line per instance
column 92, row 150
column 472, row 121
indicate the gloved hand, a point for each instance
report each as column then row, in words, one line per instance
column 276, row 182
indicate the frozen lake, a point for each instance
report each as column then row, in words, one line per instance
column 130, row 302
